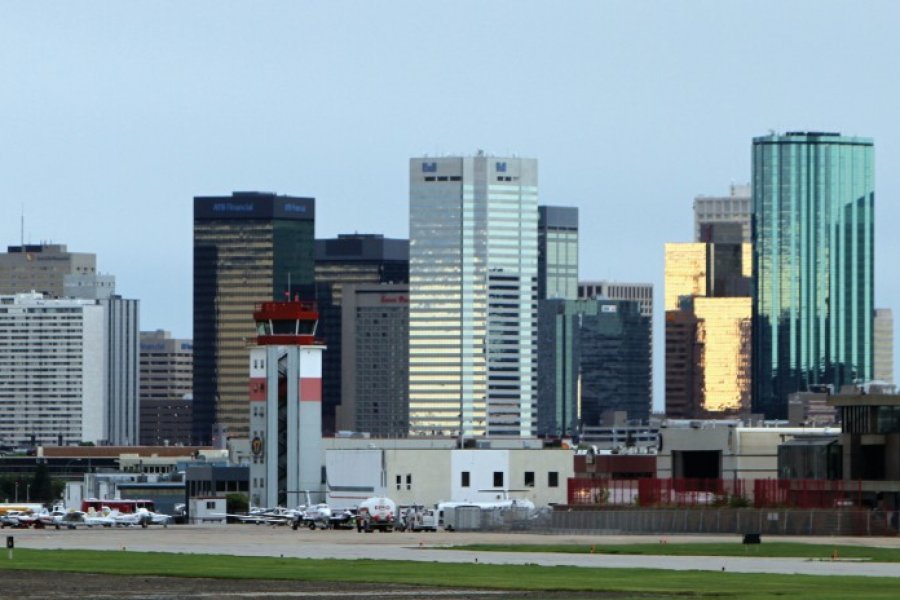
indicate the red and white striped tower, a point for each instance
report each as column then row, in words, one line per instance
column 285, row 404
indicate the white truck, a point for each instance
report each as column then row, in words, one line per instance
column 376, row 513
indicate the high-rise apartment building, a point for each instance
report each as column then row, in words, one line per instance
column 42, row 268
column 54, row 364
column 473, row 296
column 349, row 259
column 813, row 245
column 375, row 356
column 733, row 208
column 557, row 252
column 249, row 248
column 883, row 326
column 166, row 400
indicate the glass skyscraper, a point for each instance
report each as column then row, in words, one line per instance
column 250, row 247
column 473, row 296
column 557, row 252
column 813, row 246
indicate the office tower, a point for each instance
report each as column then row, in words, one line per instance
column 89, row 285
column 684, row 365
column 349, row 259
column 813, row 242
column 614, row 361
column 593, row 358
column 473, row 296
column 250, row 247
column 123, row 372
column 375, row 355
column 642, row 293
column 54, row 364
column 42, row 268
column 166, row 400
column 557, row 252
column 883, row 326
column 708, row 332
column 734, row 208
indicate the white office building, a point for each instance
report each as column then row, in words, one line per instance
column 733, row 208
column 473, row 296
column 68, row 370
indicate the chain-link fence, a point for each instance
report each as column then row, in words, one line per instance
column 694, row 521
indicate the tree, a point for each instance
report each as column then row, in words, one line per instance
column 42, row 485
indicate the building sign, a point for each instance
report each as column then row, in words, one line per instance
column 256, row 446
column 395, row 299
column 501, row 167
column 609, row 308
column 429, row 167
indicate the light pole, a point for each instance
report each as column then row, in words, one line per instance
column 28, row 492
column 17, row 491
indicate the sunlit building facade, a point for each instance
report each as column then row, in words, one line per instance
column 708, row 327
column 473, row 296
column 813, row 198
column 883, row 325
column 249, row 248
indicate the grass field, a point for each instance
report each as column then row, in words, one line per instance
column 766, row 549
column 653, row 583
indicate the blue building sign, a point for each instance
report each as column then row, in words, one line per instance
column 501, row 167
column 429, row 167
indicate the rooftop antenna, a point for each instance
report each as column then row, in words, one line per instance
column 22, row 227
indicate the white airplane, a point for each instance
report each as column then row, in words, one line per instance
column 142, row 517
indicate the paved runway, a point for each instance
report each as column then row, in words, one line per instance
column 252, row 540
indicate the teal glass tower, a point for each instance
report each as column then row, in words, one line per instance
column 813, row 264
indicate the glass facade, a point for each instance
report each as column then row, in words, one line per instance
column 723, row 332
column 813, row 203
column 247, row 248
column 473, row 296
column 557, row 252
column 708, row 329
column 685, row 272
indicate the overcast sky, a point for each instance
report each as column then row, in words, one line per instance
column 113, row 115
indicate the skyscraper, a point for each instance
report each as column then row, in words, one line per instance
column 249, row 248
column 733, row 208
column 349, row 259
column 473, row 296
column 883, row 325
column 557, row 252
column 42, row 268
column 166, row 399
column 708, row 333
column 813, row 243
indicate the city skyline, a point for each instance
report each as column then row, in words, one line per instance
column 631, row 110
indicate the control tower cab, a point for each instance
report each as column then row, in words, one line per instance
column 285, row 404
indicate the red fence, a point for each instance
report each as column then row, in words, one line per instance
column 760, row 493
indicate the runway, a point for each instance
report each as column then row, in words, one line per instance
column 252, row 540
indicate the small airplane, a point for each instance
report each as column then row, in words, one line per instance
column 142, row 517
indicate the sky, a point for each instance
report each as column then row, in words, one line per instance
column 114, row 115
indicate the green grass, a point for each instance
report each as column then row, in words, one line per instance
column 766, row 549
column 658, row 583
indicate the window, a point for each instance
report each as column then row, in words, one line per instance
column 464, row 479
column 498, row 479
column 529, row 478
column 211, row 505
column 553, row 479
column 399, row 482
column 408, row 481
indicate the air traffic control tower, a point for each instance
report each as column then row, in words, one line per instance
column 285, row 404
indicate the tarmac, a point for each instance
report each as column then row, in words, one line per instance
column 279, row 541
